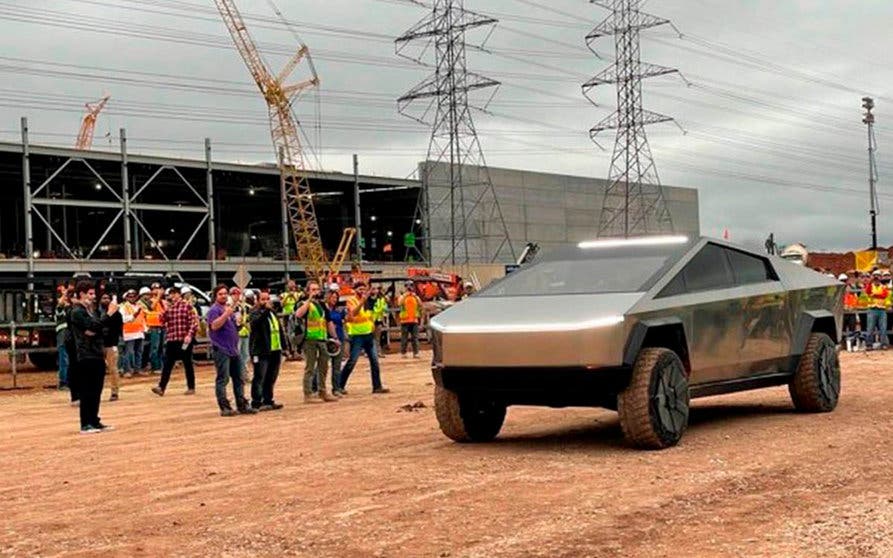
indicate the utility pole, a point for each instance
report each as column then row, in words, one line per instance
column 868, row 120
column 356, row 208
column 634, row 203
column 461, row 221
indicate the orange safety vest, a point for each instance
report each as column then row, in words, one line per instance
column 153, row 313
column 138, row 324
column 409, row 309
column 850, row 300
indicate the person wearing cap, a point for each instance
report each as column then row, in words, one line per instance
column 152, row 301
column 410, row 314
column 180, row 325
column 134, row 333
column 877, row 311
column 360, row 328
column 318, row 330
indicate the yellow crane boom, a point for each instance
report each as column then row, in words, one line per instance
column 285, row 132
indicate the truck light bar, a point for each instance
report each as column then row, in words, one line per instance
column 638, row 241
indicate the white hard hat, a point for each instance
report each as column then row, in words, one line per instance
column 185, row 290
column 842, row 277
column 334, row 287
column 145, row 291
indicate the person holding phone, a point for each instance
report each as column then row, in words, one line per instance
column 180, row 324
column 266, row 339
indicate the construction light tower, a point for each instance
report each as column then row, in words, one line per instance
column 460, row 217
column 634, row 203
column 88, row 125
column 868, row 120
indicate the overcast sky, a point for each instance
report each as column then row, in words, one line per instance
column 774, row 139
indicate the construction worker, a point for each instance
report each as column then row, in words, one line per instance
column 289, row 301
column 379, row 316
column 877, row 312
column 224, row 335
column 360, row 330
column 242, row 307
column 111, row 334
column 152, row 301
column 134, row 333
column 467, row 290
column 410, row 314
column 266, row 340
column 337, row 314
column 317, row 331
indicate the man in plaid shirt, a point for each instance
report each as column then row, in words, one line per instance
column 180, row 323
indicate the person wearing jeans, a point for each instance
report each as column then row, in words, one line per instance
column 266, row 339
column 224, row 335
column 134, row 333
column 337, row 315
column 153, row 310
column 111, row 333
column 877, row 313
column 180, row 325
column 361, row 331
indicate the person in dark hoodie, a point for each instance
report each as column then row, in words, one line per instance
column 266, row 343
column 86, row 325
column 111, row 335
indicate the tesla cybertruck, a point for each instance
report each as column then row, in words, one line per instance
column 639, row 326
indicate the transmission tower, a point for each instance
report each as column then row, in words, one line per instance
column 458, row 211
column 634, row 204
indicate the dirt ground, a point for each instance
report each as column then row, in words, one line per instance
column 362, row 477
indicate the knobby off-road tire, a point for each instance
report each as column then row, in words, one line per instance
column 467, row 418
column 654, row 406
column 815, row 387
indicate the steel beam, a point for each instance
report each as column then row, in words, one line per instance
column 212, row 233
column 356, row 207
column 26, row 186
column 125, row 191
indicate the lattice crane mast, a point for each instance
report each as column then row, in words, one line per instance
column 85, row 135
column 285, row 132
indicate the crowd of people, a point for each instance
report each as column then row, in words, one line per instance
column 867, row 299
column 152, row 329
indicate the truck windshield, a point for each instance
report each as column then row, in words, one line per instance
column 580, row 276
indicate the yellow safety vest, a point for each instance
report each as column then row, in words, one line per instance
column 316, row 324
column 360, row 323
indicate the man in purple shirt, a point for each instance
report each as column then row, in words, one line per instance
column 224, row 336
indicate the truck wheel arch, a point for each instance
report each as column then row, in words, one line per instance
column 813, row 321
column 665, row 332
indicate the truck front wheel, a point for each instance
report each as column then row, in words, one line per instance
column 654, row 406
column 467, row 417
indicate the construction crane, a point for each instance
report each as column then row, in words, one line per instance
column 85, row 136
column 285, row 132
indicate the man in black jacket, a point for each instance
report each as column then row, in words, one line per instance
column 87, row 326
column 265, row 344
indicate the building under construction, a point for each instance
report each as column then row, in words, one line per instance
column 206, row 218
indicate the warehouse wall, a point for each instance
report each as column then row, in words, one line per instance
column 555, row 210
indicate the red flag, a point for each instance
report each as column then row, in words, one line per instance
column 725, row 234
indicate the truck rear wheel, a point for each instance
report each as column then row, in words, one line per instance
column 467, row 417
column 654, row 406
column 815, row 387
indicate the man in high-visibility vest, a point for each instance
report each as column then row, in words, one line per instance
column 877, row 311
column 134, row 333
column 360, row 330
column 410, row 314
column 316, row 334
column 379, row 316
column 152, row 301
